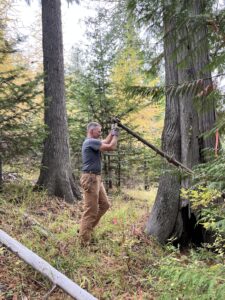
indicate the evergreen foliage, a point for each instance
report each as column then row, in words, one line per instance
column 98, row 88
column 19, row 107
column 188, row 277
column 149, row 14
column 212, row 174
column 20, row 103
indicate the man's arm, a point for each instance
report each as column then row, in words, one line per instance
column 111, row 146
column 108, row 139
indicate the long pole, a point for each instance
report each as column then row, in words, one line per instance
column 170, row 159
column 39, row 264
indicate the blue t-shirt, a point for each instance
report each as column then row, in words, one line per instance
column 91, row 155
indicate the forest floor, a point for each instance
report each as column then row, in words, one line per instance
column 122, row 264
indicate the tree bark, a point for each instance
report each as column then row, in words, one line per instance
column 118, row 170
column 1, row 179
column 206, row 109
column 185, row 121
column 56, row 174
column 145, row 171
column 197, row 114
column 110, row 172
column 164, row 213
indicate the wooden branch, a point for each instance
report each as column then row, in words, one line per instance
column 45, row 268
column 49, row 292
column 170, row 159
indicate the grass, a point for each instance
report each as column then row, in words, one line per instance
column 122, row 264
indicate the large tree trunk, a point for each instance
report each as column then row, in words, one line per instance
column 200, row 58
column 164, row 214
column 184, row 124
column 56, row 174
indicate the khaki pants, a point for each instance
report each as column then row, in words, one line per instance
column 95, row 204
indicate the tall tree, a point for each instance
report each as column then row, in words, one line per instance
column 56, row 173
column 165, row 211
column 169, row 215
column 186, row 57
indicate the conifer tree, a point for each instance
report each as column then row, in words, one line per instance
column 19, row 132
column 186, row 55
column 56, row 173
column 97, row 88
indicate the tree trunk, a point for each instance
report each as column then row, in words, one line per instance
column 206, row 109
column 145, row 169
column 110, row 172
column 197, row 114
column 164, row 213
column 1, row 180
column 106, row 173
column 56, row 174
column 185, row 122
column 118, row 170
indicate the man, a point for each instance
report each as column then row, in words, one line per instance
column 95, row 198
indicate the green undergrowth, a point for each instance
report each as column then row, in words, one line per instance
column 122, row 263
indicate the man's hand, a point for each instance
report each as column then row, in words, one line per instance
column 115, row 130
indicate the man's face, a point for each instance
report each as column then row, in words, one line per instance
column 96, row 132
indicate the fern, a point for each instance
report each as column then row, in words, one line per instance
column 189, row 278
column 211, row 174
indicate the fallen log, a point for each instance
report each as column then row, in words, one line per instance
column 39, row 264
